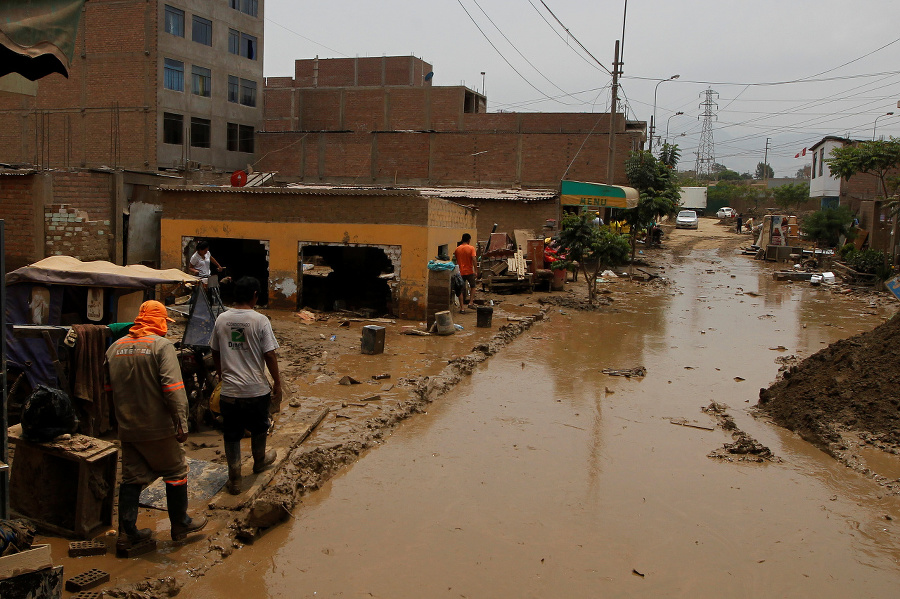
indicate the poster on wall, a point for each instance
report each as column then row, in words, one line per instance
column 95, row 304
column 779, row 231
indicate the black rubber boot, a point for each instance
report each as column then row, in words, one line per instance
column 129, row 535
column 262, row 459
column 233, row 457
column 177, row 502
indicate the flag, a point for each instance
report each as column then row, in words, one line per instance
column 797, row 155
column 804, row 152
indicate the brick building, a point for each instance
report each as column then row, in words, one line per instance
column 379, row 120
column 862, row 194
column 91, row 214
column 154, row 84
column 321, row 246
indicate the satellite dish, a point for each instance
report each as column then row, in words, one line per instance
column 430, row 75
column 238, row 179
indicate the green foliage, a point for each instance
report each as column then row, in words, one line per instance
column 826, row 226
column 868, row 260
column 874, row 157
column 791, row 196
column 846, row 249
column 658, row 185
column 729, row 175
column 728, row 193
column 593, row 248
column 764, row 171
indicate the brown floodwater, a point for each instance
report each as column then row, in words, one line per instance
column 540, row 476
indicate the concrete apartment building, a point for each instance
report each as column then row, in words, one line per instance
column 381, row 121
column 154, row 84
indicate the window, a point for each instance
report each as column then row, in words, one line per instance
column 815, row 156
column 249, row 7
column 202, row 81
column 241, row 91
column 200, row 132
column 173, row 75
column 242, row 44
column 248, row 46
column 239, row 138
column 234, row 89
column 174, row 21
column 173, row 128
column 821, row 160
column 202, row 31
column 248, row 92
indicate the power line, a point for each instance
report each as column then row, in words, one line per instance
column 525, row 79
column 306, row 38
column 569, row 33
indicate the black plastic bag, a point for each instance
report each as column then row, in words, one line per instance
column 47, row 414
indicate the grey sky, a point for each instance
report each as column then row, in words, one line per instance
column 729, row 43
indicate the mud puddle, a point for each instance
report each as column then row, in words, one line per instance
column 541, row 476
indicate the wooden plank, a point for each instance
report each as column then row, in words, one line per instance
column 30, row 560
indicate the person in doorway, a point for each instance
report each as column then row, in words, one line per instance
column 465, row 259
column 151, row 408
column 740, row 221
column 243, row 346
column 201, row 262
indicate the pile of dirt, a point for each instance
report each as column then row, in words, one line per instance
column 851, row 385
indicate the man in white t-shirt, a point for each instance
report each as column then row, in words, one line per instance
column 243, row 346
column 201, row 261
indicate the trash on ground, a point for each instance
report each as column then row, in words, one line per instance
column 627, row 372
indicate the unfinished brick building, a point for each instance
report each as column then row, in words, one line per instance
column 154, row 84
column 379, row 120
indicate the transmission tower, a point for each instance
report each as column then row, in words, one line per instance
column 706, row 153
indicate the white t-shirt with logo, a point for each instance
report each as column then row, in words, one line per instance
column 201, row 263
column 242, row 337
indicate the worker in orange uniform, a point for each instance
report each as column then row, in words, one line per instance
column 465, row 259
column 151, row 408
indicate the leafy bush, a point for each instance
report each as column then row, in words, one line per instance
column 867, row 261
column 846, row 249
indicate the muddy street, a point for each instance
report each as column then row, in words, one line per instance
column 541, row 476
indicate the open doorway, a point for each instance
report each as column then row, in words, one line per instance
column 348, row 277
column 240, row 258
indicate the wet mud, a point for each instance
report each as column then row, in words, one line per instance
column 541, row 475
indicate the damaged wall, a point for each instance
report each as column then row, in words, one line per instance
column 390, row 218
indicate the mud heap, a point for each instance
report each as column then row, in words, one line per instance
column 853, row 385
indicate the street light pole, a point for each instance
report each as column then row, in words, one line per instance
column 667, row 124
column 876, row 123
column 653, row 117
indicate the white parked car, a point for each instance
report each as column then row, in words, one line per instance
column 687, row 219
column 726, row 213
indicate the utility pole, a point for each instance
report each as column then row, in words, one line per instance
column 766, row 165
column 610, row 159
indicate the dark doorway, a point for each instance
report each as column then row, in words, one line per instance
column 340, row 277
column 241, row 258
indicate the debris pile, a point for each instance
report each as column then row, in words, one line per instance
column 744, row 448
column 852, row 384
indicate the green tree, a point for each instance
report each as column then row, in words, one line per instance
column 735, row 193
column 658, row 186
column 826, row 226
column 729, row 175
column 764, row 171
column 592, row 248
column 875, row 157
column 792, row 196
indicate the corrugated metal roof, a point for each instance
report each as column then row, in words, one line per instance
column 323, row 190
column 16, row 172
column 476, row 193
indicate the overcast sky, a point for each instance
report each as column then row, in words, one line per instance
column 732, row 46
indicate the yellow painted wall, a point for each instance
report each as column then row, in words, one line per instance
column 418, row 245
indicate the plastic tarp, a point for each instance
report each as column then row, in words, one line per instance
column 38, row 37
column 30, row 354
column 66, row 270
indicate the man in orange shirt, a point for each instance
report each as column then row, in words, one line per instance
column 465, row 259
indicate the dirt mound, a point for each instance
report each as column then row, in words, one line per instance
column 853, row 384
